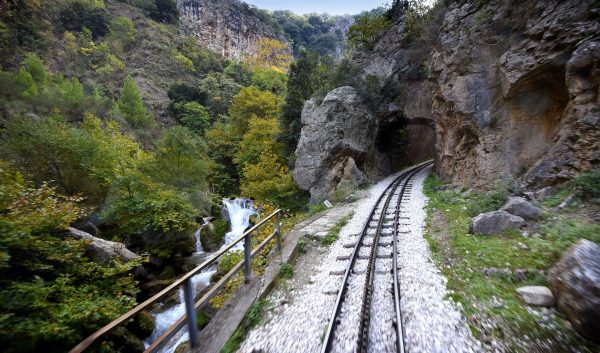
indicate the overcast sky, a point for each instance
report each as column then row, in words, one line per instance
column 332, row 7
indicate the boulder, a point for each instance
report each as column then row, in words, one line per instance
column 103, row 251
column 495, row 222
column 518, row 206
column 536, row 295
column 575, row 282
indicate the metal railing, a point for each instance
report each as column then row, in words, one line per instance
column 190, row 317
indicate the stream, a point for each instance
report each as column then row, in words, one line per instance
column 238, row 212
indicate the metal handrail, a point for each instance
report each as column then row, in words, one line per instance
column 188, row 290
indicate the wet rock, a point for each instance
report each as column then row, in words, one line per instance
column 103, row 251
column 495, row 222
column 536, row 295
column 518, row 206
column 575, row 281
column 142, row 325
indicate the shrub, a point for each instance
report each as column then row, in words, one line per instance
column 366, row 30
column 77, row 15
column 164, row 11
column 588, row 184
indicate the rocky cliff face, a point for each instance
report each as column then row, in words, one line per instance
column 517, row 91
column 228, row 27
column 510, row 87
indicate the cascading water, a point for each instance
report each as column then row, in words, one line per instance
column 239, row 212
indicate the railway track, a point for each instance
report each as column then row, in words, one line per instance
column 367, row 315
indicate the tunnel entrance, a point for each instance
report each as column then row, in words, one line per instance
column 406, row 141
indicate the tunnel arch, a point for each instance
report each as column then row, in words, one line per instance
column 405, row 141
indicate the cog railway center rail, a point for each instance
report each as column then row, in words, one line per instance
column 367, row 309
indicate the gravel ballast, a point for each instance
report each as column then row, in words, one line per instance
column 300, row 310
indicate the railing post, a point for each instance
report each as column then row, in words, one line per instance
column 247, row 257
column 278, row 230
column 190, row 310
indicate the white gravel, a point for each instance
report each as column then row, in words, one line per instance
column 431, row 323
column 298, row 320
column 298, row 326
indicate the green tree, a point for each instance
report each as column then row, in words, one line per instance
column 132, row 108
column 79, row 160
column 25, row 84
column 122, row 33
column 366, row 30
column 252, row 101
column 268, row 180
column 51, row 295
column 35, row 66
column 179, row 160
column 222, row 147
column 303, row 82
column 260, row 137
column 270, row 80
column 194, row 116
column 164, row 11
column 78, row 14
column 219, row 90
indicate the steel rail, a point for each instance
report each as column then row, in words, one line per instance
column 83, row 345
column 363, row 328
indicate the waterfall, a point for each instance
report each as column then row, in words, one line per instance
column 238, row 213
column 197, row 235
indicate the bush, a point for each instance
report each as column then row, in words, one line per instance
column 366, row 30
column 164, row 11
column 51, row 295
column 588, row 184
column 77, row 15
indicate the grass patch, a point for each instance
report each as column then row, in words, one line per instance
column 464, row 259
column 334, row 232
column 252, row 318
column 286, row 271
column 586, row 186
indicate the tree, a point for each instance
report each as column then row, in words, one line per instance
column 132, row 108
column 51, row 295
column 219, row 89
column 259, row 138
column 77, row 15
column 272, row 54
column 26, row 84
column 366, row 30
column 251, row 101
column 270, row 80
column 164, row 11
column 304, row 79
column 193, row 115
column 222, row 148
column 122, row 33
column 268, row 180
column 179, row 160
column 35, row 66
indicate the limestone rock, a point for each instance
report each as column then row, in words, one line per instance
column 103, row 251
column 495, row 222
column 227, row 27
column 518, row 206
column 336, row 139
column 575, row 282
column 536, row 295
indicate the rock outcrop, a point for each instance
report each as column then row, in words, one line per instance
column 227, row 27
column 518, row 206
column 575, row 282
column 337, row 142
column 510, row 87
column 517, row 90
column 536, row 295
column 103, row 251
column 495, row 222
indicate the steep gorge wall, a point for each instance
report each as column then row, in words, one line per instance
column 517, row 91
column 510, row 88
column 227, row 27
